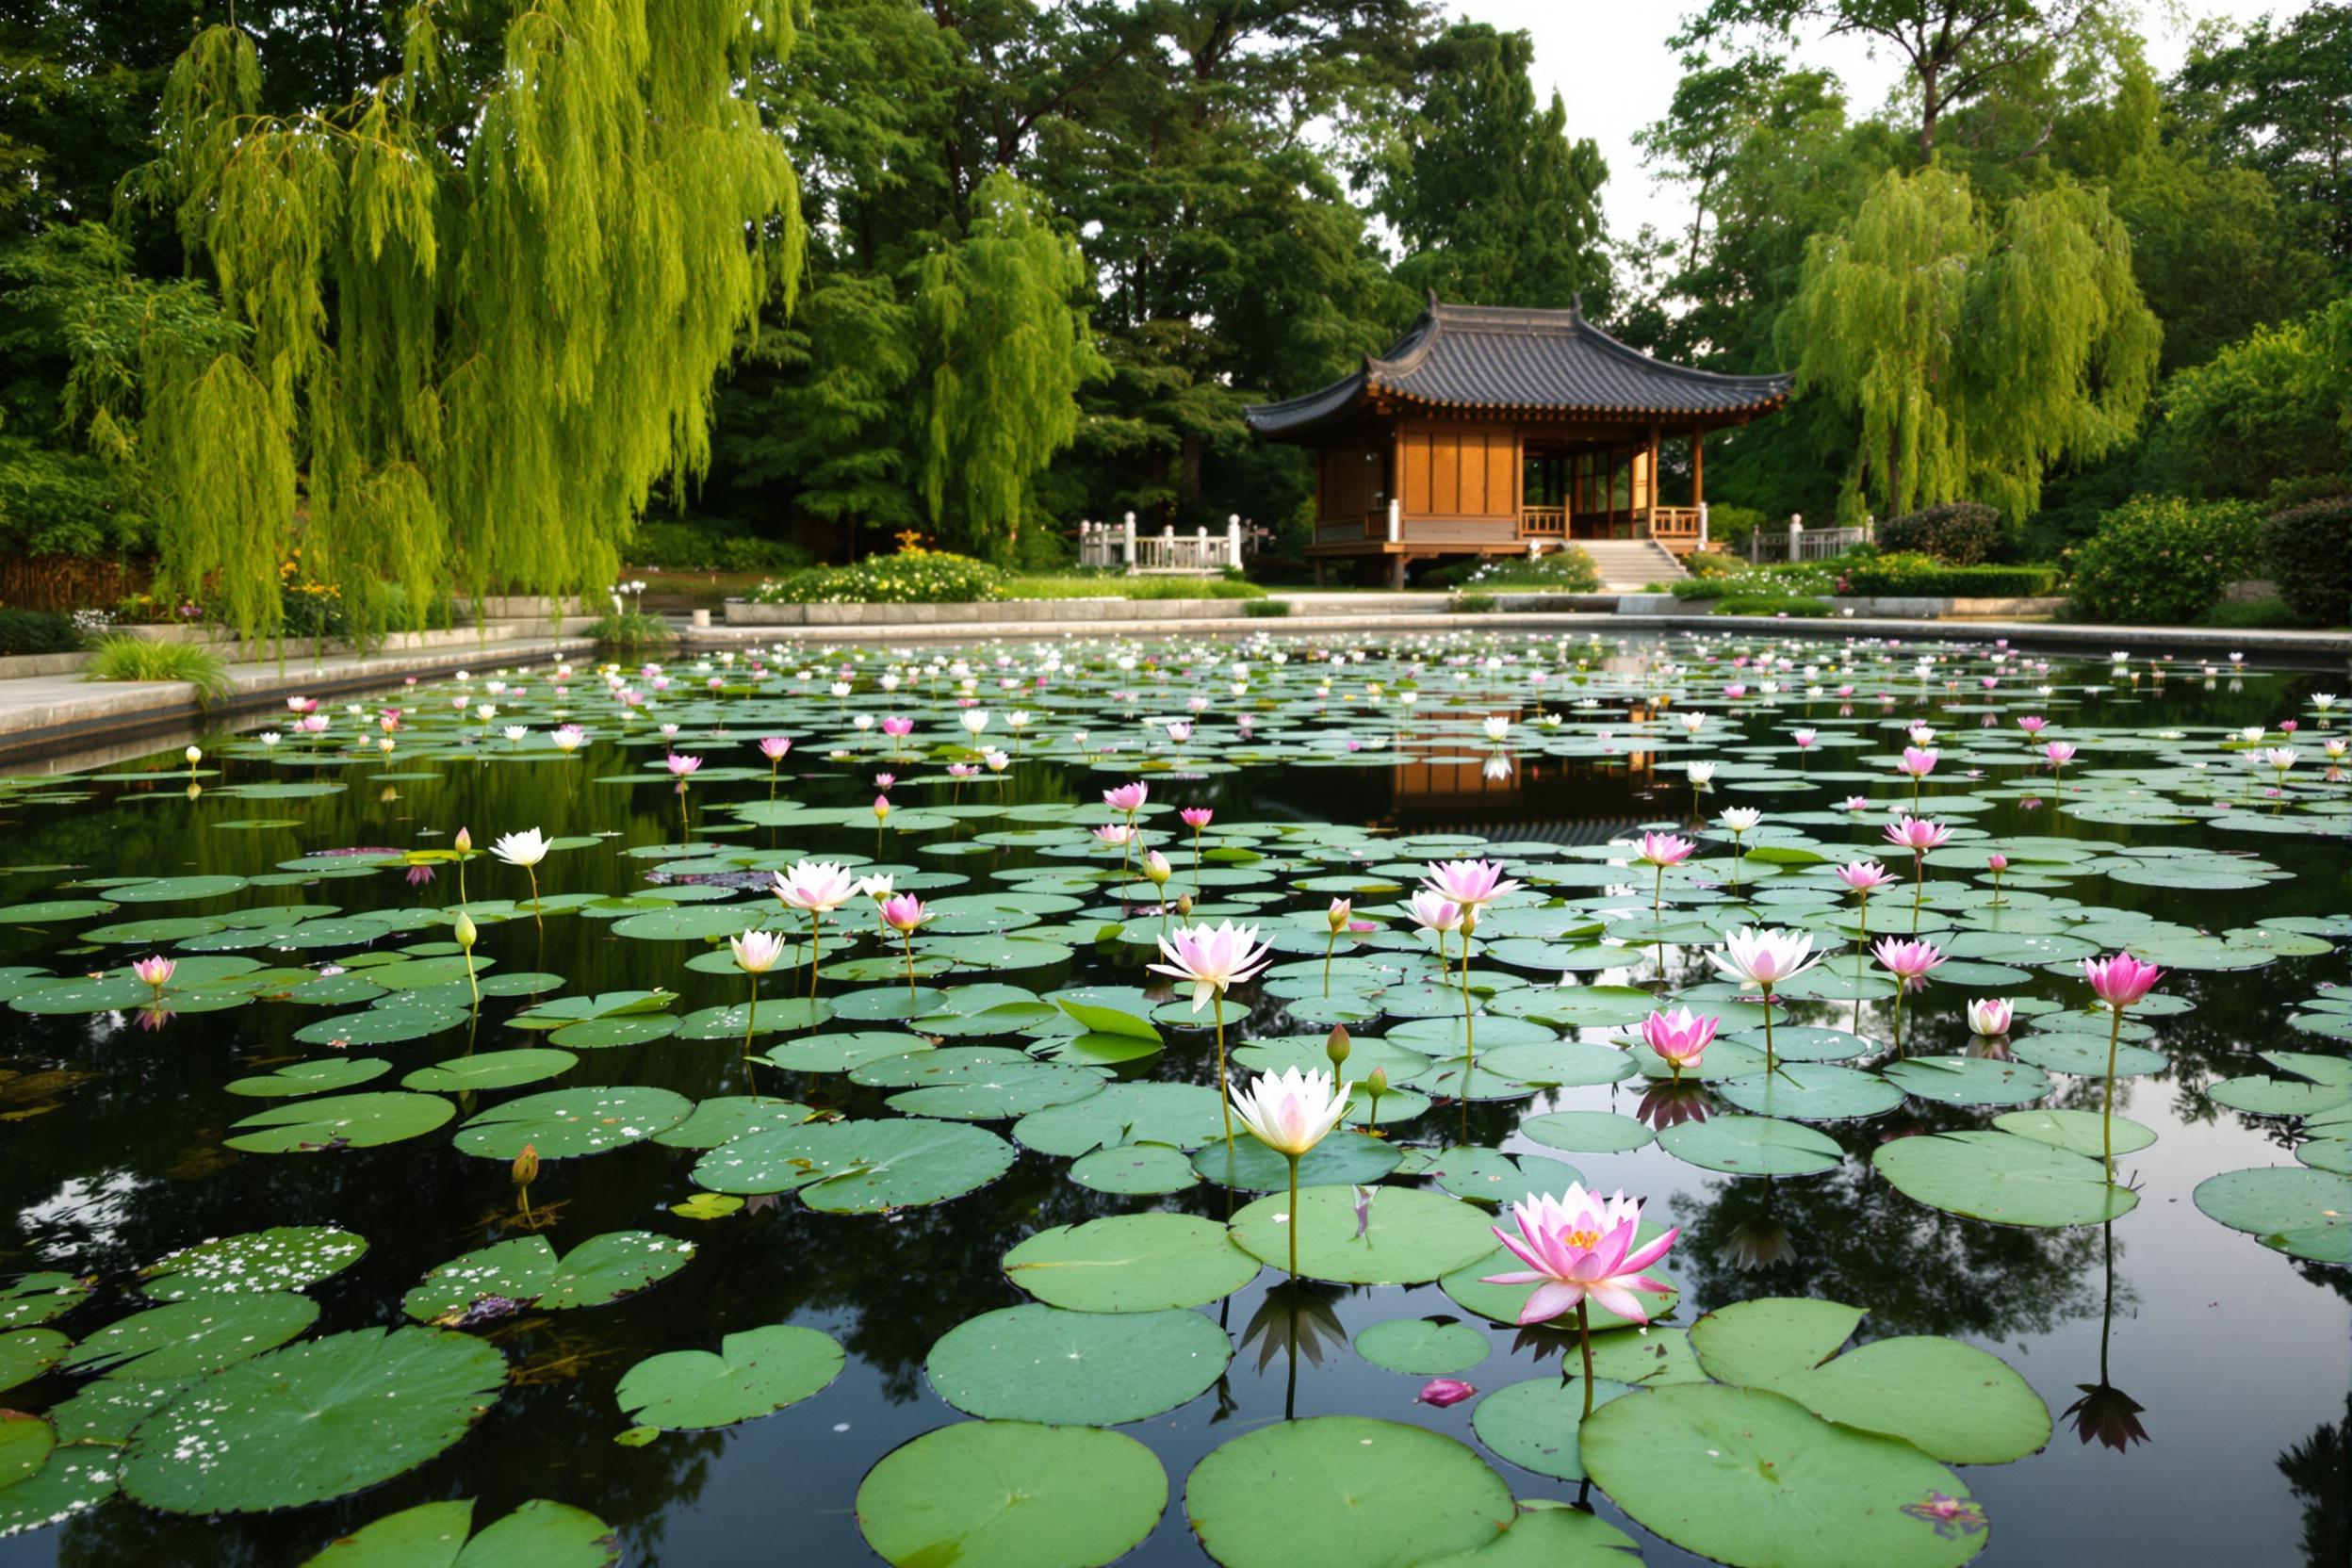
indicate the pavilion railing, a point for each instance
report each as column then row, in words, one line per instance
column 1118, row 547
column 1798, row 542
column 1543, row 522
column 1678, row 524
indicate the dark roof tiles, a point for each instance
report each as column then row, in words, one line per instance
column 1498, row 357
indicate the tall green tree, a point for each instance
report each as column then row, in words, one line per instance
column 481, row 302
column 1005, row 349
column 1491, row 200
column 1976, row 353
column 2278, row 99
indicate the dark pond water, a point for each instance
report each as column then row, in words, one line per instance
column 2238, row 1356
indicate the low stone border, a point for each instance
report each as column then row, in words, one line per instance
column 236, row 653
column 1001, row 613
column 1880, row 607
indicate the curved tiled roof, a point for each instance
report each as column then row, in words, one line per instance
column 1477, row 357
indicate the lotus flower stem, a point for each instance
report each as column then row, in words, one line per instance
column 1469, row 1037
column 532, row 872
column 1584, row 1341
column 908, row 937
column 1329, row 943
column 1900, row 985
column 2107, row 1110
column 1294, row 1213
column 1196, row 856
column 1771, row 1063
column 816, row 950
column 1223, row 1098
column 751, row 1015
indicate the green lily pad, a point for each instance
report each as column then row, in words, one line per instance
column 1137, row 1170
column 1813, row 1091
column 1999, row 1176
column 2304, row 1213
column 31, row 1298
column 25, row 1354
column 2086, row 1054
column 1550, row 1536
column 1533, row 1424
column 727, row 1118
column 1011, row 1495
column 76, row 1480
column 1491, row 1176
column 492, row 1069
column 380, row 1026
column 1184, row 1115
column 1588, row 1131
column 1345, row 1157
column 1409, row 1236
column 290, row 1257
column 1343, row 1491
column 1753, row 1146
column 312, row 1077
column 1968, row 1080
column 313, row 1421
column 1753, row 1478
column 2077, row 1130
column 189, row 1338
column 842, row 1052
column 860, row 1167
column 565, row 1123
column 1038, row 1363
column 539, row 1534
column 1131, row 1263
column 1424, row 1347
column 340, row 1121
column 757, row 1372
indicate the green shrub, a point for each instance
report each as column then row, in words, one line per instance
column 1769, row 581
column 1561, row 571
column 1918, row 575
column 630, row 633
column 1770, row 604
column 1470, row 603
column 1266, row 607
column 126, row 657
column 1958, row 533
column 675, row 544
column 1730, row 527
column 1708, row 563
column 911, row 576
column 36, row 631
column 2307, row 551
column 2263, row 614
column 2161, row 559
column 1115, row 585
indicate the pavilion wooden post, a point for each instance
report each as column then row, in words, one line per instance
column 1649, row 495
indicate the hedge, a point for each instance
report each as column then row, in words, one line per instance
column 36, row 631
column 1899, row 577
column 1770, row 604
column 2307, row 551
column 1958, row 533
column 2161, row 559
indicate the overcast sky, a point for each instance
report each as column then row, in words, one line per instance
column 1610, row 62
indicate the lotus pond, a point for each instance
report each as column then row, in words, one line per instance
column 441, row 1204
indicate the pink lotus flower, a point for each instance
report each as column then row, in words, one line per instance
column 774, row 746
column 1917, row 833
column 2032, row 724
column 960, row 770
column 1433, row 911
column 1855, row 803
column 898, row 728
column 2120, row 981
column 884, row 780
column 1127, row 798
column 1908, row 960
column 154, row 971
column 1442, row 1392
column 1576, row 1246
column 1116, row 834
column 1680, row 1038
column 1663, row 849
column 1179, row 733
column 1804, row 738
column 1865, row 876
column 1915, row 762
column 1989, row 1016
column 881, row 808
column 904, row 912
column 680, row 765
column 2059, row 752
column 1291, row 1112
column 1196, row 817
column 1997, row 862
column 819, row 887
column 1765, row 959
column 1213, row 960
column 1469, row 883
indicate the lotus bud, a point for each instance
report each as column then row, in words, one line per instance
column 465, row 931
column 1337, row 1046
column 194, row 755
column 527, row 1165
column 464, row 842
column 1184, row 904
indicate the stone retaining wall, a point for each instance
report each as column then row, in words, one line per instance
column 1003, row 612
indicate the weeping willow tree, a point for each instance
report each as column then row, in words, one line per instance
column 1005, row 349
column 1975, row 354
column 480, row 305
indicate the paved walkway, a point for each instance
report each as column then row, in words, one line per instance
column 51, row 713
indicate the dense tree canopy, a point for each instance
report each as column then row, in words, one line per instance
column 456, row 293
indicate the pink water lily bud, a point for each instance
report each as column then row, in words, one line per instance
column 904, row 912
column 1155, row 866
column 1442, row 1392
column 1680, row 1038
column 1989, row 1016
column 1337, row 915
column 2120, row 981
column 154, row 971
column 1997, row 862
column 881, row 808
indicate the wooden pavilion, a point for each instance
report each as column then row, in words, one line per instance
column 1493, row 431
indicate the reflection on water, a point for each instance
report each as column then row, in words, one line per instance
column 114, row 1125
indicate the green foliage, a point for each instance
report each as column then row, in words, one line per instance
column 1261, row 609
column 631, row 633
column 1561, row 571
column 1900, row 576
column 36, row 631
column 127, row 658
column 1004, row 349
column 1715, row 563
column 914, row 577
column 1976, row 354
column 2307, row 551
column 2271, row 613
column 1750, row 581
column 1492, row 202
column 2279, row 98
column 2269, row 407
column 477, row 308
column 1770, row 604
column 713, row 545
column 1470, row 603
column 1959, row 533
column 1098, row 585
column 2162, row 561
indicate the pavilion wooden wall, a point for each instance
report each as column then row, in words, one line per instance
column 1458, row 469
